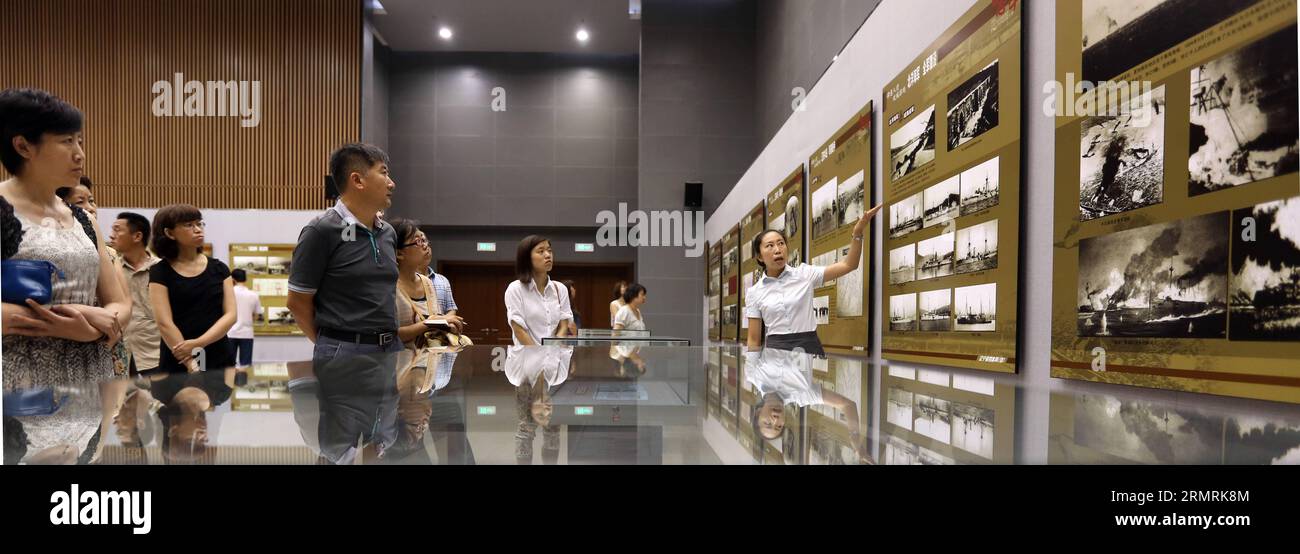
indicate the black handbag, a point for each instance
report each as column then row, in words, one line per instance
column 24, row 279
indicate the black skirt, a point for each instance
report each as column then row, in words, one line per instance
column 808, row 342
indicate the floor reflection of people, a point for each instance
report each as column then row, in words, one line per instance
column 183, row 402
column 346, row 401
column 423, row 377
column 782, row 377
column 537, row 372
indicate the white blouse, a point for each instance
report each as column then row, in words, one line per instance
column 628, row 319
column 784, row 372
column 539, row 312
column 785, row 304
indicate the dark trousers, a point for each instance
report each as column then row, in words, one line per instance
column 243, row 351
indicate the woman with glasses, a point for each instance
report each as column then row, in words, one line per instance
column 193, row 295
column 416, row 298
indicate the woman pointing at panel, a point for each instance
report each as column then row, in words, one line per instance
column 782, row 299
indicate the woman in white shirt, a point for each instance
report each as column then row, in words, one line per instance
column 536, row 306
column 629, row 316
column 782, row 299
column 781, row 378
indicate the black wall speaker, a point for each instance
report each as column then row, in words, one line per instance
column 694, row 195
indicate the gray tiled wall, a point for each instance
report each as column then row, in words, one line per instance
column 697, row 124
column 564, row 149
column 797, row 41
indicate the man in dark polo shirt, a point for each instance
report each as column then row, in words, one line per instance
column 344, row 273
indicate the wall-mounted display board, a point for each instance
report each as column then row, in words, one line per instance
column 731, row 284
column 713, row 288
column 952, row 193
column 785, row 208
column 267, row 266
column 750, row 226
column 1177, row 249
column 830, row 439
column 841, row 190
column 935, row 417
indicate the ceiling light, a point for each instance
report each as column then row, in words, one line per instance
column 445, row 33
column 583, row 35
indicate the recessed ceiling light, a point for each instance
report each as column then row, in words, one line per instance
column 583, row 35
column 445, row 33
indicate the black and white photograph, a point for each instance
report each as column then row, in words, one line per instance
column 730, row 261
column 934, row 257
column 902, row 312
column 932, row 417
column 973, row 107
column 972, row 429
column 1244, row 125
column 979, row 187
column 905, row 216
column 902, row 265
column 777, row 223
column 1122, row 158
column 826, row 259
column 943, row 201
column 251, row 264
column 976, row 307
column 850, row 202
column 278, row 265
column 279, row 316
column 1119, row 35
column 977, row 247
column 825, row 220
column 848, row 290
column 792, row 217
column 936, row 310
column 730, row 314
column 901, row 453
column 822, row 309
column 900, row 408
column 1265, row 299
column 1168, row 280
column 912, row 145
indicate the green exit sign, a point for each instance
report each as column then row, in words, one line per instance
column 487, row 247
column 584, row 247
column 583, row 410
column 487, row 410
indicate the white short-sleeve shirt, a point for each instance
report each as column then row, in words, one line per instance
column 526, row 364
column 628, row 319
column 539, row 312
column 785, row 303
column 784, row 372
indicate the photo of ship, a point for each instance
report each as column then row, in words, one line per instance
column 902, row 265
column 1167, row 280
column 976, row 307
column 936, row 310
column 977, row 247
column 1265, row 299
column 979, row 187
column 905, row 216
column 902, row 312
column 943, row 201
column 935, row 257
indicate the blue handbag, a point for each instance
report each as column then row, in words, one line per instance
column 23, row 279
column 32, row 402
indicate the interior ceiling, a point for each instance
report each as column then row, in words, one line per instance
column 509, row 26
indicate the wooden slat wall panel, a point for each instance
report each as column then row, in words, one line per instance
column 104, row 56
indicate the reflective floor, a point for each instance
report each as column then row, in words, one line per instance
column 628, row 405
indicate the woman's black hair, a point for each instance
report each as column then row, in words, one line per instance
column 758, row 246
column 619, row 288
column 30, row 113
column 633, row 290
column 524, row 257
column 168, row 218
column 404, row 228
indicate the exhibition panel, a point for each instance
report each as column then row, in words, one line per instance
column 1177, row 260
column 952, row 194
